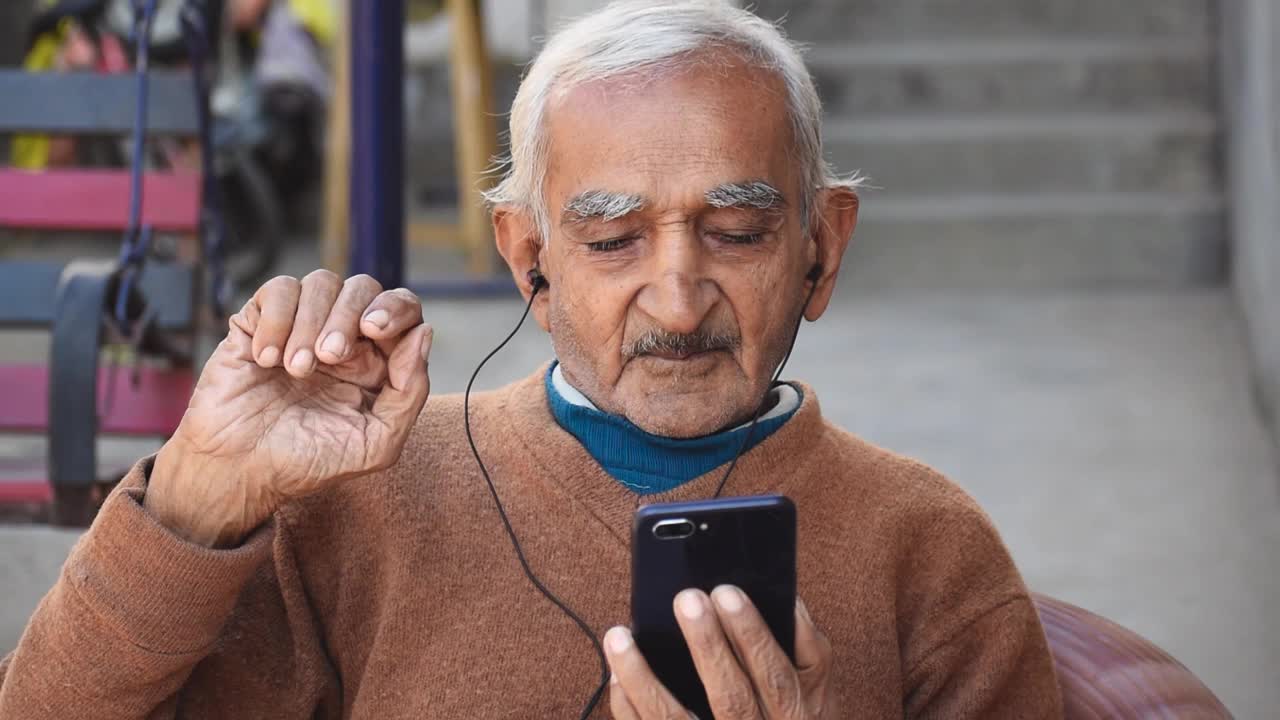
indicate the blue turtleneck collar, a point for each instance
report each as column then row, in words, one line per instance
column 649, row 464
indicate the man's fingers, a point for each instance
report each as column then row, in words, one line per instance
column 240, row 330
column 728, row 689
column 619, row 704
column 247, row 319
column 318, row 292
column 341, row 329
column 277, row 301
column 365, row 366
column 404, row 362
column 236, row 349
column 813, row 653
column 647, row 695
column 776, row 683
column 808, row 647
column 389, row 316
column 410, row 358
column 397, row 406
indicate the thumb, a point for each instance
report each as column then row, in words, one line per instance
column 397, row 406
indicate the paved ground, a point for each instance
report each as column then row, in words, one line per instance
column 1111, row 436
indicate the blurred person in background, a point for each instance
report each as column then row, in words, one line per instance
column 273, row 77
column 64, row 35
column 317, row 540
column 270, row 102
column 286, row 43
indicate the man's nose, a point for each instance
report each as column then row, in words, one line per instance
column 679, row 296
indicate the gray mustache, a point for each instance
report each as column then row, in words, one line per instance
column 681, row 343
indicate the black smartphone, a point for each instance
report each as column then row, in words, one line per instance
column 749, row 542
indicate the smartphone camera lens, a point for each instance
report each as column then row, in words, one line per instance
column 676, row 529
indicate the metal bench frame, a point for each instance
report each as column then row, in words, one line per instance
column 71, row 298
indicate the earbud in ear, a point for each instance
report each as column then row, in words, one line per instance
column 815, row 273
column 536, row 279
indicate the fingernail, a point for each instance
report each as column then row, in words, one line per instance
column 302, row 361
column 269, row 356
column 689, row 604
column 379, row 318
column 729, row 598
column 335, row 344
column 613, row 679
column 619, row 639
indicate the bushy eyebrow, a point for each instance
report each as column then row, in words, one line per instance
column 753, row 194
column 601, row 205
column 608, row 206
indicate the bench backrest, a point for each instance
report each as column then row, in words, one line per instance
column 94, row 200
column 86, row 103
column 97, row 200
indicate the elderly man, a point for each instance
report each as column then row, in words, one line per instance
column 317, row 540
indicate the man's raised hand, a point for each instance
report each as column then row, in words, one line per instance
column 317, row 381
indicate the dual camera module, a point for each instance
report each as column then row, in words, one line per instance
column 677, row 528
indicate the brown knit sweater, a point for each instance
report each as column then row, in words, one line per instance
column 398, row 595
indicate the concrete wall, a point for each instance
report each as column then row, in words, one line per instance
column 557, row 11
column 1251, row 99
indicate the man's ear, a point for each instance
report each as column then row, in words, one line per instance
column 520, row 244
column 833, row 229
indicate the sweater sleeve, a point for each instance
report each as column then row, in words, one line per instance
column 972, row 643
column 998, row 666
column 142, row 624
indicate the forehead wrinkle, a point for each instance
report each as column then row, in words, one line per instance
column 601, row 204
column 755, row 194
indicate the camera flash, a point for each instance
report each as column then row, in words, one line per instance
column 703, row 527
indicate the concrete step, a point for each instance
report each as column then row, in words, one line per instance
column 1037, row 241
column 1015, row 75
column 1147, row 151
column 842, row 21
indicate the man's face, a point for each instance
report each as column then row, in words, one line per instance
column 676, row 257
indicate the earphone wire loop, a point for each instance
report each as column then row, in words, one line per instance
column 582, row 625
column 755, row 418
column 594, row 700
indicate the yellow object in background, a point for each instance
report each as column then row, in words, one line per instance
column 31, row 151
column 318, row 17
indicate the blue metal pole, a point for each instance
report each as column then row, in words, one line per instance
column 377, row 143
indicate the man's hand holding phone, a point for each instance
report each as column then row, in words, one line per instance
column 746, row 674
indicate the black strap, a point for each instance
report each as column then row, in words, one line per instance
column 73, row 383
column 198, row 20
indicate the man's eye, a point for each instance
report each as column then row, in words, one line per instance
column 609, row 245
column 748, row 239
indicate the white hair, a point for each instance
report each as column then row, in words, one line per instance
column 630, row 36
